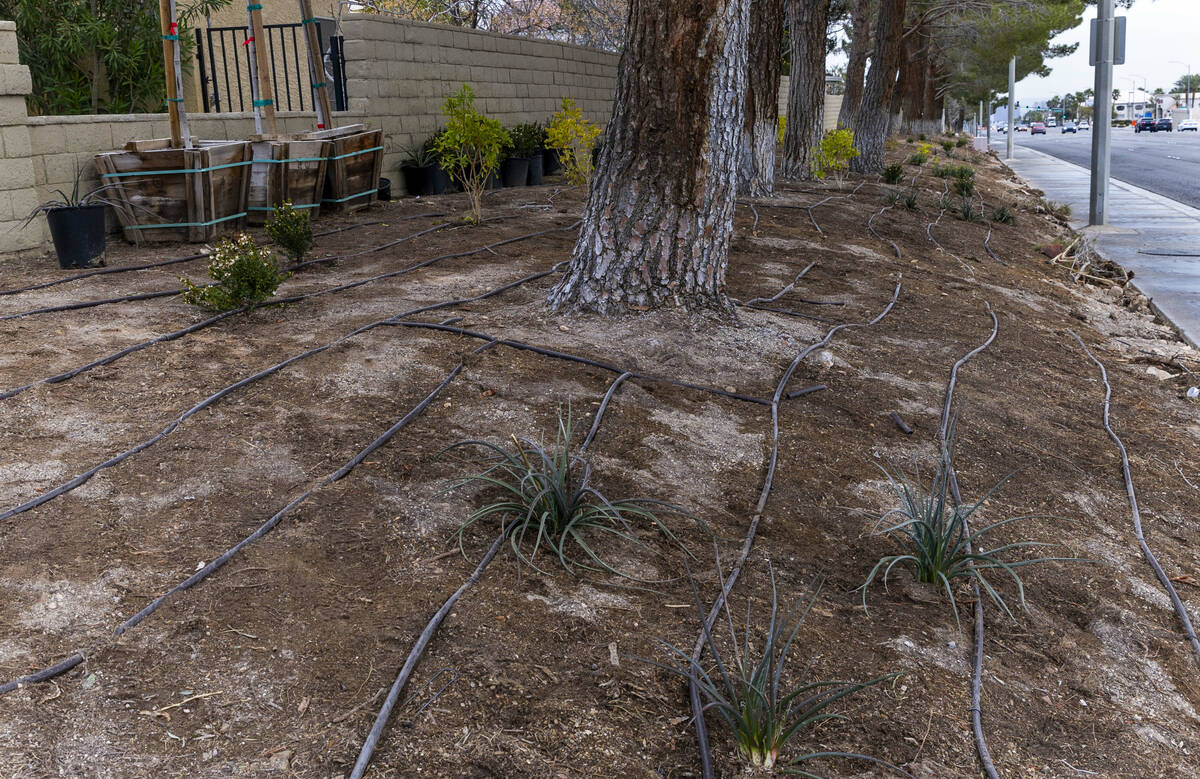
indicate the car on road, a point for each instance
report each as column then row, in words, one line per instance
column 1023, row 127
column 1163, row 125
column 1084, row 125
column 1188, row 125
column 1037, row 127
column 1068, row 127
column 1051, row 122
column 1144, row 124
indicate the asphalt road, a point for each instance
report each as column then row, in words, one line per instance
column 1166, row 163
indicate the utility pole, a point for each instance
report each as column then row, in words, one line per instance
column 1189, row 84
column 1012, row 107
column 989, row 123
column 1102, row 124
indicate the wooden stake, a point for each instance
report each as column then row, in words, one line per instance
column 316, row 66
column 170, row 33
column 264, row 109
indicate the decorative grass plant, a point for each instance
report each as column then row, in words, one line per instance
column 549, row 506
column 748, row 687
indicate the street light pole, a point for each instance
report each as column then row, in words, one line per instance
column 1188, row 85
column 1102, row 121
column 1012, row 93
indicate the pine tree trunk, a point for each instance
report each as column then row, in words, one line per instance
column 873, row 119
column 856, row 66
column 807, row 23
column 659, row 218
column 756, row 176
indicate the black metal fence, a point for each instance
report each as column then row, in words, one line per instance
column 222, row 57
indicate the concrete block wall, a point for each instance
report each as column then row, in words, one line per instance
column 399, row 72
column 17, row 193
column 833, row 105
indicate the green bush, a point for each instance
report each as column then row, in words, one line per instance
column 834, row 153
column 948, row 146
column 893, row 173
column 291, row 228
column 961, row 142
column 470, row 147
column 527, row 139
column 916, row 159
column 245, row 273
column 782, row 130
column 910, row 201
column 1002, row 215
column 573, row 137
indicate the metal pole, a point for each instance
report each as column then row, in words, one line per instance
column 989, row 123
column 1102, row 124
column 980, row 116
column 1012, row 108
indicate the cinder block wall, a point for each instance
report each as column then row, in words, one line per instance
column 17, row 194
column 399, row 72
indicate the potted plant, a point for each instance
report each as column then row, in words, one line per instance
column 419, row 168
column 514, row 171
column 528, row 141
column 76, row 224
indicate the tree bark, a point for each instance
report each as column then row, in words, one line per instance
column 856, row 66
column 756, row 176
column 808, row 27
column 873, row 119
column 659, row 218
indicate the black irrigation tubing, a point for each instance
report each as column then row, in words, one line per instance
column 277, row 301
column 80, row 479
column 760, row 508
column 262, row 530
column 1176, row 602
column 807, row 391
column 985, row 756
column 414, row 656
column 169, row 292
column 789, row 312
column 870, row 221
column 789, row 288
column 581, row 360
column 192, row 257
column 813, row 219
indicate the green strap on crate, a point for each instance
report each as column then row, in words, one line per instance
column 186, row 224
column 180, row 170
column 272, row 208
column 170, row 37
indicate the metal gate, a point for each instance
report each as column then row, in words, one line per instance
column 221, row 53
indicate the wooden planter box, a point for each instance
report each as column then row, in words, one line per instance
column 355, row 162
column 286, row 170
column 166, row 194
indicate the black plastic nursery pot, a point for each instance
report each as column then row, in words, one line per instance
column 550, row 162
column 78, row 234
column 535, row 170
column 425, row 180
column 514, row 171
column 385, row 190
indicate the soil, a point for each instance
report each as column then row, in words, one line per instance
column 277, row 663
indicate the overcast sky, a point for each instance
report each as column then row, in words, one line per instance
column 1158, row 31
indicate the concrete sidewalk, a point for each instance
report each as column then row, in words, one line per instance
column 1156, row 238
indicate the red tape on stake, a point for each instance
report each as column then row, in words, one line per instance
column 248, row 41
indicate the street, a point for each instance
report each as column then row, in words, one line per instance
column 1164, row 163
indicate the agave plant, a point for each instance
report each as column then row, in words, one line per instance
column 936, row 544
column 749, row 691
column 549, row 502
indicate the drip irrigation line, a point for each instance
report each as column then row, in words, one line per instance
column 783, row 291
column 789, row 312
column 768, row 481
column 61, row 377
column 1159, row 573
column 879, row 213
column 985, row 755
column 414, row 655
column 192, row 257
column 270, row 524
column 901, row 424
column 813, row 219
column 807, row 391
column 612, row 388
column 80, row 479
column 44, row 674
column 581, row 360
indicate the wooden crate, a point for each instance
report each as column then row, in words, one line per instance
column 165, row 194
column 355, row 162
column 286, row 169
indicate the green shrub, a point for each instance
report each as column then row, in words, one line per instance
column 948, row 146
column 779, row 133
column 833, row 154
column 470, row 148
column 527, row 139
column 935, row 546
column 893, row 173
column 921, row 136
column 910, row 201
column 245, row 273
column 961, row 142
column 748, row 691
column 964, row 187
column 291, row 228
column 916, row 159
column 573, row 137
column 1003, row 215
column 548, row 501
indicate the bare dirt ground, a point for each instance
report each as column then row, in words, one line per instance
column 277, row 663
